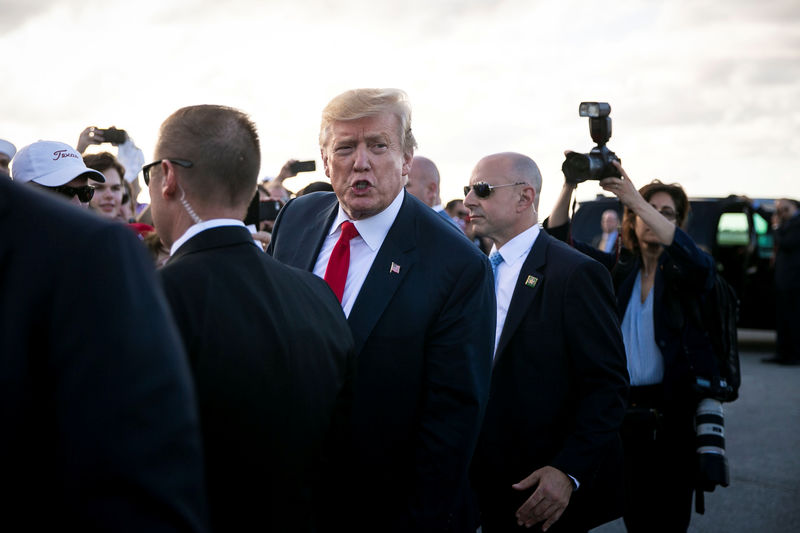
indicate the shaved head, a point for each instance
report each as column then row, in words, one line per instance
column 519, row 167
column 423, row 180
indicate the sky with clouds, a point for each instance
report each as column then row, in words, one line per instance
column 703, row 92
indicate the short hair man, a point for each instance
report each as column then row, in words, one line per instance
column 420, row 306
column 269, row 347
column 609, row 226
column 56, row 167
column 559, row 380
column 7, row 151
column 100, row 427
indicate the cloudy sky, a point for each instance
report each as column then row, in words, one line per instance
column 704, row 92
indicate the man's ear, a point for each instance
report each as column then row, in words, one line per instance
column 407, row 159
column 169, row 184
column 325, row 162
column 527, row 198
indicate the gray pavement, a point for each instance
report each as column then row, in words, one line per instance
column 763, row 448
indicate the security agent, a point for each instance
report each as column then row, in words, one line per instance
column 549, row 451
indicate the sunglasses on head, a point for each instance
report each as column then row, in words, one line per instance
column 146, row 169
column 84, row 194
column 483, row 189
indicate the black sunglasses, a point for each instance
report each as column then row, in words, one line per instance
column 483, row 189
column 84, row 194
column 146, row 169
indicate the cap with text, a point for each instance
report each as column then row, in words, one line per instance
column 51, row 164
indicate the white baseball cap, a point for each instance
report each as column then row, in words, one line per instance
column 51, row 164
column 7, row 148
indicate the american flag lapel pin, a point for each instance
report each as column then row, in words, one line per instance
column 395, row 268
column 531, row 281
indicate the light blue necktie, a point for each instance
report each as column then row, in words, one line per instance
column 495, row 259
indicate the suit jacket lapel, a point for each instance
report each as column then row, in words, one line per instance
column 213, row 238
column 528, row 283
column 305, row 257
column 398, row 250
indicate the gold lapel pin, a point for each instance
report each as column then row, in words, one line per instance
column 531, row 281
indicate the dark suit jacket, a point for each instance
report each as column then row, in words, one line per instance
column 787, row 257
column 99, row 425
column 272, row 359
column 559, row 387
column 424, row 338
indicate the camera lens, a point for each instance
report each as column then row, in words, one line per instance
column 710, row 430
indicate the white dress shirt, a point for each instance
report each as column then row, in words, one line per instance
column 514, row 253
column 363, row 248
column 202, row 226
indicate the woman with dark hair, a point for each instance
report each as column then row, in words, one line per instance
column 655, row 272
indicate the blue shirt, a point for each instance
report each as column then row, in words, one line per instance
column 645, row 362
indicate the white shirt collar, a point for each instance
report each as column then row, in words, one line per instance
column 202, row 226
column 517, row 248
column 438, row 207
column 373, row 229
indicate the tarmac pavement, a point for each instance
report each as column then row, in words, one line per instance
column 762, row 433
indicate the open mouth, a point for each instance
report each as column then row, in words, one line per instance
column 361, row 185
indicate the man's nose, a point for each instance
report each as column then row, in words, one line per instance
column 468, row 199
column 361, row 158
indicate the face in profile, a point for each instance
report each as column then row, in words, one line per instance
column 108, row 196
column 495, row 215
column 365, row 162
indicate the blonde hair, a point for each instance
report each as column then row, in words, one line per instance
column 360, row 103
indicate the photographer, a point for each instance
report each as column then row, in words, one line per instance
column 656, row 271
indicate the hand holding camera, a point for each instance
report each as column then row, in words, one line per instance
column 95, row 135
column 597, row 164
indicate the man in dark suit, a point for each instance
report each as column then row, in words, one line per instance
column 787, row 282
column 419, row 303
column 99, row 424
column 268, row 345
column 549, row 451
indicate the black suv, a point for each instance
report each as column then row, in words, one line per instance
column 738, row 237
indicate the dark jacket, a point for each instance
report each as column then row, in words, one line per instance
column 787, row 258
column 684, row 272
column 272, row 359
column 423, row 325
column 99, row 424
column 559, row 387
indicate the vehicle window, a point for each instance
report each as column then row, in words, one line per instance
column 763, row 235
column 733, row 230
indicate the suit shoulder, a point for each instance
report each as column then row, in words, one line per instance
column 439, row 234
column 310, row 203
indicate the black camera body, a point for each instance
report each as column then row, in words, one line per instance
column 114, row 136
column 597, row 164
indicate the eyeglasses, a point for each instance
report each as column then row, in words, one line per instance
column 483, row 189
column 146, row 169
column 84, row 194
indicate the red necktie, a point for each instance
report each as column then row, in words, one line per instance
column 339, row 262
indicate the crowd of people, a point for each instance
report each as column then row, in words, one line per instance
column 355, row 356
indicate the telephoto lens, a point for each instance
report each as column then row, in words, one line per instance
column 710, row 430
